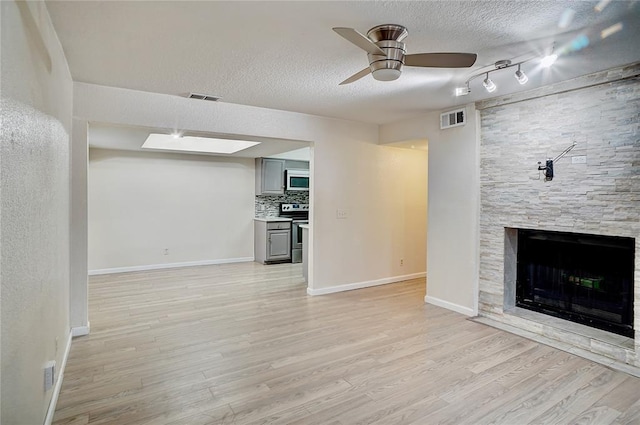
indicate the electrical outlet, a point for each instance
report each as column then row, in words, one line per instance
column 579, row 159
column 56, row 345
column 402, row 262
column 165, row 251
column 49, row 375
column 341, row 214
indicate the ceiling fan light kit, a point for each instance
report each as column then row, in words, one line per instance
column 387, row 55
column 387, row 74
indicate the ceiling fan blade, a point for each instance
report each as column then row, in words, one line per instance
column 359, row 40
column 441, row 60
column 356, row 76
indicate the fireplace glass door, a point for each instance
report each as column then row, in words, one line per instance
column 583, row 278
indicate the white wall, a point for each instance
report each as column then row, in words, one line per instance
column 36, row 105
column 348, row 172
column 454, row 190
column 453, row 211
column 78, row 288
column 303, row 154
column 383, row 190
column 198, row 207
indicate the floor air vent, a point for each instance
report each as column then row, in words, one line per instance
column 208, row 97
column 453, row 119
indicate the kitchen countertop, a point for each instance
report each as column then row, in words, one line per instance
column 270, row 219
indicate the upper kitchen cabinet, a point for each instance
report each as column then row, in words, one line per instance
column 296, row 165
column 270, row 176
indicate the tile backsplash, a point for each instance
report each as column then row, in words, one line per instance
column 267, row 205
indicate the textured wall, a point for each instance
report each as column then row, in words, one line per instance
column 34, row 255
column 599, row 197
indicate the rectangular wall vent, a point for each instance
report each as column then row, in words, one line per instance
column 208, row 97
column 453, row 119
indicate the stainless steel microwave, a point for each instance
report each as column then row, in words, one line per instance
column 297, row 180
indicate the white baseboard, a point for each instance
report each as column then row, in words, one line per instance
column 81, row 330
column 169, row 266
column 450, row 306
column 56, row 389
column 365, row 284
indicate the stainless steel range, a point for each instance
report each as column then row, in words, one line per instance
column 299, row 213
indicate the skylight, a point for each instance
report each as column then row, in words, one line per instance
column 195, row 144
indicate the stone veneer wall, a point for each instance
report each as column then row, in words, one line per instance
column 600, row 112
column 268, row 205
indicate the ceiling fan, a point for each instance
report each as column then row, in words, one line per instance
column 387, row 55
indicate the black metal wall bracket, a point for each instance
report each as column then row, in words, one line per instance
column 547, row 169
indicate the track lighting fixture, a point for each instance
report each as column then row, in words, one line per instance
column 461, row 91
column 490, row 86
column 547, row 61
column 521, row 76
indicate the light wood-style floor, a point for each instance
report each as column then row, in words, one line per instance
column 244, row 344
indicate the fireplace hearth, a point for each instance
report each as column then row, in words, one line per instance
column 583, row 278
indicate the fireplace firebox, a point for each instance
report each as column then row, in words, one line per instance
column 583, row 278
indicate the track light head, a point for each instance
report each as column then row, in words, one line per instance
column 521, row 76
column 489, row 85
column 462, row 91
column 547, row 61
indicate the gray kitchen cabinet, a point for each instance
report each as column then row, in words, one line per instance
column 269, row 176
column 272, row 241
column 296, row 165
column 278, row 245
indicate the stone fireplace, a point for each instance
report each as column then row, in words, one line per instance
column 594, row 198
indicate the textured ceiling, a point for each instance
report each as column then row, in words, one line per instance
column 284, row 55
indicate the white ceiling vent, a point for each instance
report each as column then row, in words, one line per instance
column 453, row 118
column 208, row 97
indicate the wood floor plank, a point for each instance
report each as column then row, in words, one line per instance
column 622, row 397
column 205, row 416
column 582, row 399
column 539, row 401
column 629, row 416
column 323, row 410
column 244, row 344
column 602, row 415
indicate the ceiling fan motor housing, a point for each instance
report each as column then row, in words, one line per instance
column 388, row 38
column 389, row 67
column 387, row 32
